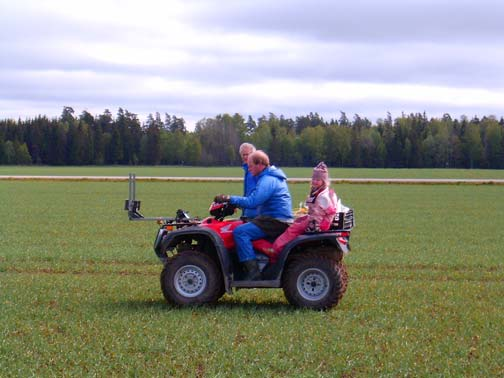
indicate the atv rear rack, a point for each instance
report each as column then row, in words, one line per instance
column 132, row 205
column 343, row 221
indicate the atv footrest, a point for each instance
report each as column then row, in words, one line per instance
column 251, row 284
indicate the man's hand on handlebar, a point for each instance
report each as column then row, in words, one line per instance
column 220, row 198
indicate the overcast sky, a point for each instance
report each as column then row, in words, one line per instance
column 197, row 59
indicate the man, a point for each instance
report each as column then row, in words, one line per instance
column 249, row 180
column 273, row 201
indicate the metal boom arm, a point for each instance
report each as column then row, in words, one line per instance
column 133, row 206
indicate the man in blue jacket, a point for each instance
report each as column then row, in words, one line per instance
column 249, row 180
column 273, row 201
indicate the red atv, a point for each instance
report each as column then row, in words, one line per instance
column 200, row 262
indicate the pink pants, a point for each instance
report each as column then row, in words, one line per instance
column 295, row 229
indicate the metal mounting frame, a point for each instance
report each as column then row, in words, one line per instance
column 132, row 205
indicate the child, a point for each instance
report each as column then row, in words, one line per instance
column 322, row 205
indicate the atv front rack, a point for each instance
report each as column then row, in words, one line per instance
column 133, row 206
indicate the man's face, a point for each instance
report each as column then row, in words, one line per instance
column 245, row 154
column 255, row 169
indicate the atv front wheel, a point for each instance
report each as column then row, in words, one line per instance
column 313, row 281
column 190, row 278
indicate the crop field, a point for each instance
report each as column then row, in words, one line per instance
column 80, row 292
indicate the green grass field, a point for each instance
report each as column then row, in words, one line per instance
column 80, row 293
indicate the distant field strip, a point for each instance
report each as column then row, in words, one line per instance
column 239, row 179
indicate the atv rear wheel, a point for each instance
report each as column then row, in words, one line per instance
column 190, row 278
column 344, row 277
column 314, row 281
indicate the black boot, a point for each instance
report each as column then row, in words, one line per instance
column 253, row 273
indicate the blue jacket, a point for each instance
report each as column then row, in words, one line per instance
column 271, row 196
column 249, row 184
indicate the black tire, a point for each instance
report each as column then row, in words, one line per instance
column 191, row 278
column 344, row 277
column 313, row 281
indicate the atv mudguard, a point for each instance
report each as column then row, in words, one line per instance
column 318, row 239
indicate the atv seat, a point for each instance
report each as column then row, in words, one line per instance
column 265, row 247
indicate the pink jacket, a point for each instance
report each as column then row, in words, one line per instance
column 323, row 208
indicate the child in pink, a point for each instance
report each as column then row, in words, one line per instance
column 322, row 205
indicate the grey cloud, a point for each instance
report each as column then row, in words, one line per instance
column 324, row 29
column 377, row 64
column 360, row 21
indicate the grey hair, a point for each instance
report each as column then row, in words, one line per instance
column 246, row 146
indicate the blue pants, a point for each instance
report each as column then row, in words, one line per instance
column 243, row 236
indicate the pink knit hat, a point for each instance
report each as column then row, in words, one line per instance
column 320, row 173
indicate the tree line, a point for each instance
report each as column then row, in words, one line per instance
column 408, row 141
